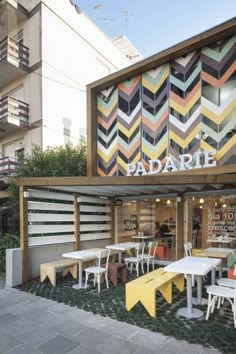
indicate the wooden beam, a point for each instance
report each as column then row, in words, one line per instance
column 216, row 176
column 91, row 133
column 180, row 227
column 76, row 223
column 4, row 194
column 203, row 39
column 24, row 233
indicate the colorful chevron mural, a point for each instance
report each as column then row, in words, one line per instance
column 179, row 107
column 155, row 113
column 219, row 98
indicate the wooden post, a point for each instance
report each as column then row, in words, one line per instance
column 76, row 223
column 24, row 233
column 113, row 221
column 179, row 227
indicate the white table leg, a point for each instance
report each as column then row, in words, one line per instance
column 188, row 311
column 80, row 284
column 120, row 256
column 220, row 270
column 213, row 276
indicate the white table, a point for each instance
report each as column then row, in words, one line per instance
column 220, row 249
column 121, row 247
column 197, row 266
column 82, row 256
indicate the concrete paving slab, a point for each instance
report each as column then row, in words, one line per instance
column 7, row 342
column 92, row 338
column 7, row 318
column 173, row 346
column 69, row 328
column 34, row 314
column 149, row 339
column 144, row 350
column 18, row 328
column 58, row 345
column 23, row 349
column 37, row 336
column 58, row 308
column 116, row 345
column 81, row 349
column 20, row 308
column 121, row 329
column 8, row 302
column 49, row 319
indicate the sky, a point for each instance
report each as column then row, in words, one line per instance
column 154, row 25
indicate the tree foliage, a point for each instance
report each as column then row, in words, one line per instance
column 59, row 161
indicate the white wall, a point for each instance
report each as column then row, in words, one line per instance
column 75, row 52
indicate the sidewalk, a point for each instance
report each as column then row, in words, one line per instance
column 30, row 324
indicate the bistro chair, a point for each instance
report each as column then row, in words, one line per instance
column 150, row 256
column 136, row 260
column 98, row 270
column 216, row 293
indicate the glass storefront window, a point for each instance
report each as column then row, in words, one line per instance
column 213, row 222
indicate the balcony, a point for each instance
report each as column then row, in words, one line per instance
column 8, row 166
column 14, row 115
column 14, row 60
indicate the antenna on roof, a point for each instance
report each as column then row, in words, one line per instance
column 126, row 15
column 96, row 9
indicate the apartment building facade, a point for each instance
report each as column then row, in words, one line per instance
column 49, row 51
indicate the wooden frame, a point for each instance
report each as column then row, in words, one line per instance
column 203, row 39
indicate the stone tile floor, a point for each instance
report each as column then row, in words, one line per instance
column 30, row 324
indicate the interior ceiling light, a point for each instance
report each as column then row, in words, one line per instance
column 158, row 200
column 216, row 204
column 168, row 202
column 193, row 198
column 201, row 201
column 200, row 206
column 224, row 205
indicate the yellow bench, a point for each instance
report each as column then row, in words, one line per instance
column 49, row 269
column 144, row 289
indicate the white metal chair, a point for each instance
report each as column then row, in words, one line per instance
column 148, row 257
column 97, row 270
column 217, row 292
column 136, row 260
column 188, row 249
column 188, row 253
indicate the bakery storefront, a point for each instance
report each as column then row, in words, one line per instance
column 161, row 156
column 172, row 114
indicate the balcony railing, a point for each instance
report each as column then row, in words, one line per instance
column 15, row 111
column 8, row 166
column 13, row 51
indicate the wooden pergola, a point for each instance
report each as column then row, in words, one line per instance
column 215, row 178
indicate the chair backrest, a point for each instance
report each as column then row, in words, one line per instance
column 140, row 249
column 151, row 245
column 188, row 249
column 101, row 255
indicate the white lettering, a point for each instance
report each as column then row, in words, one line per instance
column 169, row 165
column 130, row 169
column 185, row 164
column 197, row 156
column 152, row 164
column 140, row 169
column 209, row 159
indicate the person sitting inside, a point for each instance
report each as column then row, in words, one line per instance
column 164, row 228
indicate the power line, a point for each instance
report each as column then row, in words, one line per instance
column 68, row 77
column 59, row 82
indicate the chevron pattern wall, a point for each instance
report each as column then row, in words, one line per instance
column 180, row 107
